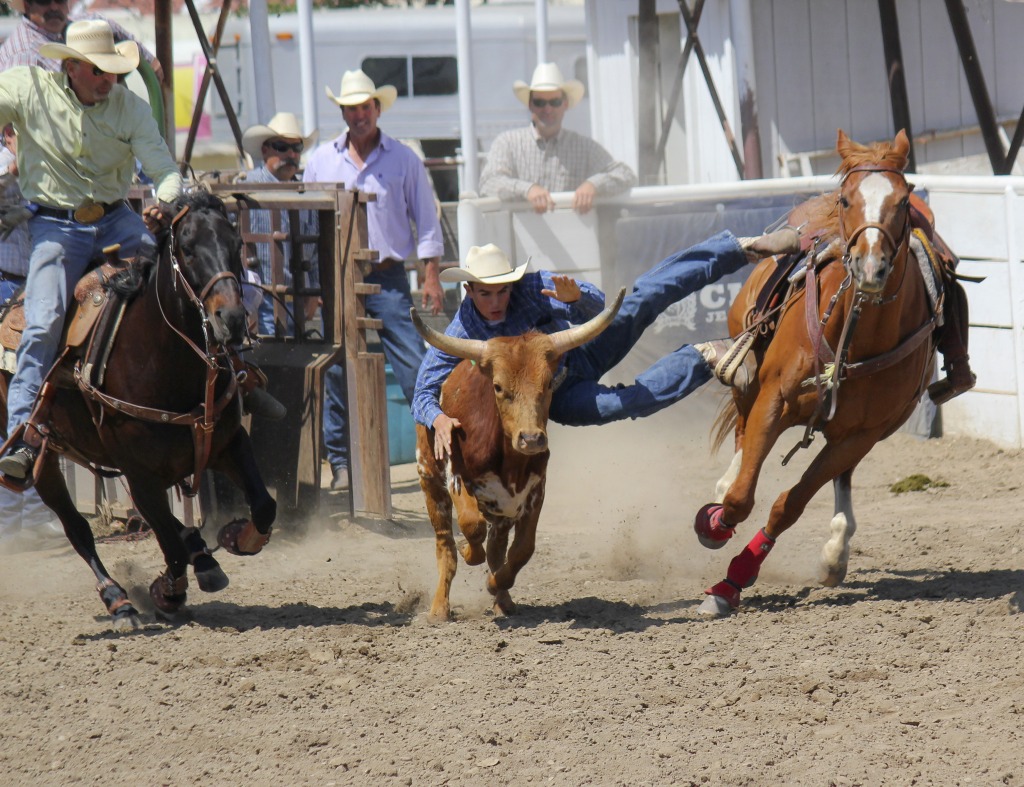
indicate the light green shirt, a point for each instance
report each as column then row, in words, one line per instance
column 70, row 154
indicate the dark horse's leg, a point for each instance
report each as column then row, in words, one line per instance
column 238, row 462
column 169, row 590
column 54, row 492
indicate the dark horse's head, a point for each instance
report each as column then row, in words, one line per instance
column 874, row 208
column 208, row 249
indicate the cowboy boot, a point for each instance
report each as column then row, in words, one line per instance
column 774, row 244
column 256, row 400
column 953, row 346
column 731, row 361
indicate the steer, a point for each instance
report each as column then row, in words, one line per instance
column 501, row 393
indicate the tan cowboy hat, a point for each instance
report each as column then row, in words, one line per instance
column 284, row 125
column 486, row 265
column 92, row 40
column 548, row 76
column 357, row 88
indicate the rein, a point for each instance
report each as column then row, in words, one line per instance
column 831, row 367
column 203, row 418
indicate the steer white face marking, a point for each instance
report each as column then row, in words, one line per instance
column 496, row 500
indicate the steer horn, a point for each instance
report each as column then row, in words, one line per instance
column 572, row 338
column 563, row 341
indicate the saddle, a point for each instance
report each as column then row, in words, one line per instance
column 819, row 248
column 89, row 328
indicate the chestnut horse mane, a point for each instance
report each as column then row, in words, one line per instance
column 820, row 215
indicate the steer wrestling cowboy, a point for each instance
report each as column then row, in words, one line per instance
column 79, row 133
column 506, row 301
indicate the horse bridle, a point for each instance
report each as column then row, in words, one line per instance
column 203, row 418
column 849, row 240
column 828, row 389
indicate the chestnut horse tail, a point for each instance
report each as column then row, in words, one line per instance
column 725, row 423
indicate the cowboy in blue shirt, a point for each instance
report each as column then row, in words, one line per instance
column 506, row 301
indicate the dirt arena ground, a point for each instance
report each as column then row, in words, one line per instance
column 317, row 666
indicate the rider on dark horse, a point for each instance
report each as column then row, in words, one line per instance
column 80, row 134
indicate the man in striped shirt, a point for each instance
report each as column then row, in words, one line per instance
column 45, row 22
column 532, row 162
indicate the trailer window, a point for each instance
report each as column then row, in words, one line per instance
column 435, row 76
column 431, row 76
column 388, row 71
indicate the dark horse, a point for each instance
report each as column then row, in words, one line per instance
column 851, row 354
column 167, row 404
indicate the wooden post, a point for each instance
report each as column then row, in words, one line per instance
column 364, row 371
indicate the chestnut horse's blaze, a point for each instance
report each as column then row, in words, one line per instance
column 851, row 355
column 496, row 474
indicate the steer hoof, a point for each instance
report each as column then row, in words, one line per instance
column 503, row 604
column 473, row 554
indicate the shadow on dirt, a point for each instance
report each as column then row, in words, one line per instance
column 593, row 613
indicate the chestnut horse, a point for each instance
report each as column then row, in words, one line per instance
column 168, row 403
column 851, row 354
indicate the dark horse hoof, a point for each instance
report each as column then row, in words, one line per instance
column 169, row 596
column 241, row 537
column 115, row 599
column 209, row 575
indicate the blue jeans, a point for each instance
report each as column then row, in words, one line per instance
column 403, row 349
column 61, row 252
column 9, row 284
column 582, row 401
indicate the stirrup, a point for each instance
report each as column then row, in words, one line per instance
column 733, row 361
column 945, row 389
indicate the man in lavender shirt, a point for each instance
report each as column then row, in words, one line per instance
column 367, row 159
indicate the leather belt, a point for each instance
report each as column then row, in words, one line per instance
column 87, row 214
column 388, row 263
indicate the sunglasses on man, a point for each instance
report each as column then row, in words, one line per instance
column 283, row 147
column 43, row 3
column 540, row 103
column 96, row 70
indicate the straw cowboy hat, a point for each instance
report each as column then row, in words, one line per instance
column 357, row 88
column 93, row 41
column 548, row 76
column 284, row 125
column 486, row 265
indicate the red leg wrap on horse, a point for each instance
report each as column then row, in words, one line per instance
column 710, row 525
column 745, row 566
column 726, row 590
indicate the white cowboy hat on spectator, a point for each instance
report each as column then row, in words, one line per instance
column 548, row 76
column 284, row 125
column 92, row 40
column 357, row 88
column 486, row 265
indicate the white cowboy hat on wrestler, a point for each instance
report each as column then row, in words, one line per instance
column 486, row 265
column 92, row 41
column 357, row 88
column 284, row 125
column 548, row 76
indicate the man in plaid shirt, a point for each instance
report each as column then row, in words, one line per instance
column 529, row 163
column 506, row 301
